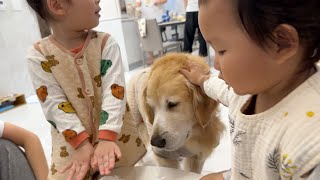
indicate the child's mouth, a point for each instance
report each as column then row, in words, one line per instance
column 97, row 12
column 220, row 76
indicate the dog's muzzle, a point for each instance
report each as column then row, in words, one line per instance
column 158, row 141
column 174, row 155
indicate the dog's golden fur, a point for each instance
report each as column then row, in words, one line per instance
column 176, row 111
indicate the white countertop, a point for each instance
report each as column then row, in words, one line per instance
column 150, row 173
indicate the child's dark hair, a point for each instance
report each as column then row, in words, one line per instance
column 261, row 17
column 40, row 7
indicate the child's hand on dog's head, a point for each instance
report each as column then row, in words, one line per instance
column 195, row 73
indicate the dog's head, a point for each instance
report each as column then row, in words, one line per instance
column 173, row 105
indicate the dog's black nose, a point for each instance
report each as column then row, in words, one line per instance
column 158, row 141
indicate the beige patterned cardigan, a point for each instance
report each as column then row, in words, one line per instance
column 82, row 93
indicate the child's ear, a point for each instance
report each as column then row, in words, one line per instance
column 286, row 39
column 57, row 7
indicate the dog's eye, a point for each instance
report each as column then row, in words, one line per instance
column 172, row 105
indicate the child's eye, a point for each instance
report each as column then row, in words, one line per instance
column 221, row 52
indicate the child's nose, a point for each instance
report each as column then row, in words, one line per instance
column 97, row 1
column 216, row 63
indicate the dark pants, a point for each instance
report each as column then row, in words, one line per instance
column 189, row 31
column 13, row 163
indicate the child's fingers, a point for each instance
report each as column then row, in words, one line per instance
column 91, row 161
column 107, row 172
column 72, row 171
column 111, row 160
column 101, row 165
column 106, row 161
column 192, row 63
column 78, row 167
column 65, row 168
column 189, row 62
column 94, row 161
column 185, row 72
column 195, row 66
column 83, row 171
column 118, row 152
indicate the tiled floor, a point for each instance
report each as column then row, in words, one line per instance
column 30, row 117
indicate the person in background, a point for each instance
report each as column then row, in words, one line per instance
column 16, row 164
column 190, row 28
column 151, row 9
column 267, row 53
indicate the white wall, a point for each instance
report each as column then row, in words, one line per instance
column 18, row 31
column 123, row 29
column 110, row 9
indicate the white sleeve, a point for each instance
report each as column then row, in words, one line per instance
column 113, row 88
column 50, row 95
column 1, row 128
column 218, row 90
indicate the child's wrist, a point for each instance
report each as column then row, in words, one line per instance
column 107, row 135
column 105, row 140
column 79, row 139
column 85, row 142
column 203, row 79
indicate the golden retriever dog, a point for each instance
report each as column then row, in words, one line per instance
column 173, row 116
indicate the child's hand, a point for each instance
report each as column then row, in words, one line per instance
column 104, row 156
column 197, row 75
column 80, row 163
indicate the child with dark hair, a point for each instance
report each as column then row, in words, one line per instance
column 79, row 80
column 267, row 53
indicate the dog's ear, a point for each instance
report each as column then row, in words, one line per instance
column 204, row 106
column 140, row 84
column 147, row 109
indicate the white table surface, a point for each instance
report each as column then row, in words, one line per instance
column 150, row 173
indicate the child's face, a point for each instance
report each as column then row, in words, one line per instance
column 246, row 67
column 82, row 14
